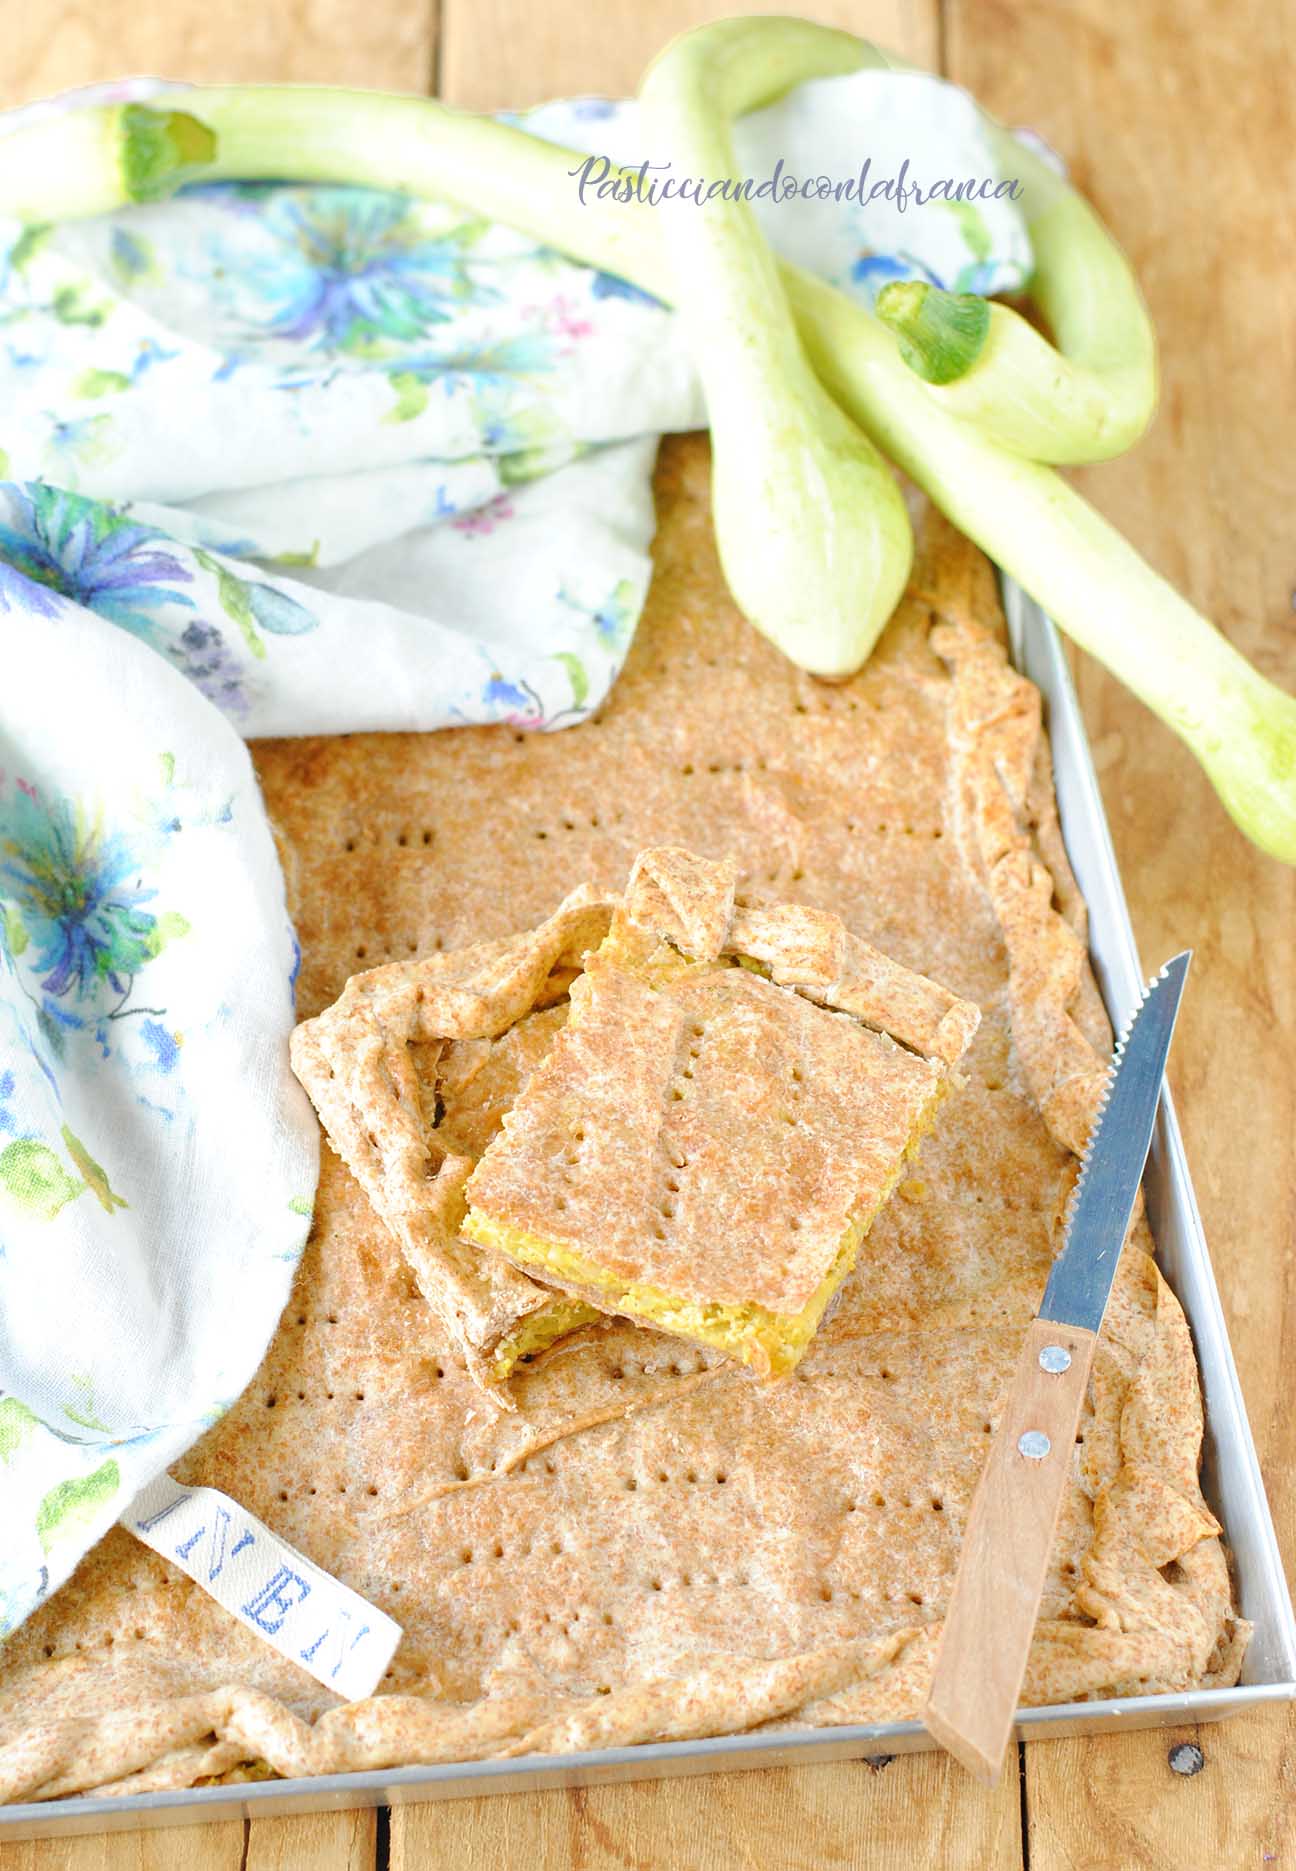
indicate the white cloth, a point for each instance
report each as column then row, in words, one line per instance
column 293, row 460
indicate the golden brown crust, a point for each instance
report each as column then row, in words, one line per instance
column 750, row 1575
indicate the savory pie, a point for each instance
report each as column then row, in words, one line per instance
column 725, row 1111
column 651, row 1544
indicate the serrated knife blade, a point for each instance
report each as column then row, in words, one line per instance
column 1103, row 1200
column 986, row 1636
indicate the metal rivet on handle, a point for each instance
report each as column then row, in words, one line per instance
column 1054, row 1359
column 1034, row 1445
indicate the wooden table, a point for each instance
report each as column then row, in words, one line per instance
column 1176, row 122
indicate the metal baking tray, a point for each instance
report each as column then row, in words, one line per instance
column 1230, row 1472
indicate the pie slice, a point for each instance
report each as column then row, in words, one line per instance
column 411, row 1071
column 728, row 1105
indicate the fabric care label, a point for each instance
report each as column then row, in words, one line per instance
column 344, row 1641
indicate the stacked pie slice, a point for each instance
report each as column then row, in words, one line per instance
column 722, row 1097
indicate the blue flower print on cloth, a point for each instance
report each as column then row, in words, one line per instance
column 291, row 459
column 77, row 896
column 156, row 1159
column 342, row 270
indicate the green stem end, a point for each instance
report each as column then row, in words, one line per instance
column 941, row 334
column 162, row 150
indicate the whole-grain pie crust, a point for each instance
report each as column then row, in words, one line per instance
column 652, row 1544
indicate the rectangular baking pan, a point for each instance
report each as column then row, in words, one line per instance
column 1230, row 1471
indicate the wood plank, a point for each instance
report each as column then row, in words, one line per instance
column 320, row 1841
column 919, row 1809
column 173, row 1848
column 1108, row 1803
column 1173, row 119
column 59, row 43
column 500, row 53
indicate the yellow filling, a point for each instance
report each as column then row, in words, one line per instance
column 774, row 1342
column 539, row 1330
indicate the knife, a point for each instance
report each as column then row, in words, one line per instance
column 981, row 1662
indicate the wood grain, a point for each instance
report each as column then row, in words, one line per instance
column 1175, row 121
column 981, row 1663
column 172, row 1848
column 55, row 44
column 918, row 1809
column 320, row 1841
column 498, row 53
column 1105, row 1802
column 312, row 1842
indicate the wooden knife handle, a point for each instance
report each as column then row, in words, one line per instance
column 1000, row 1579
